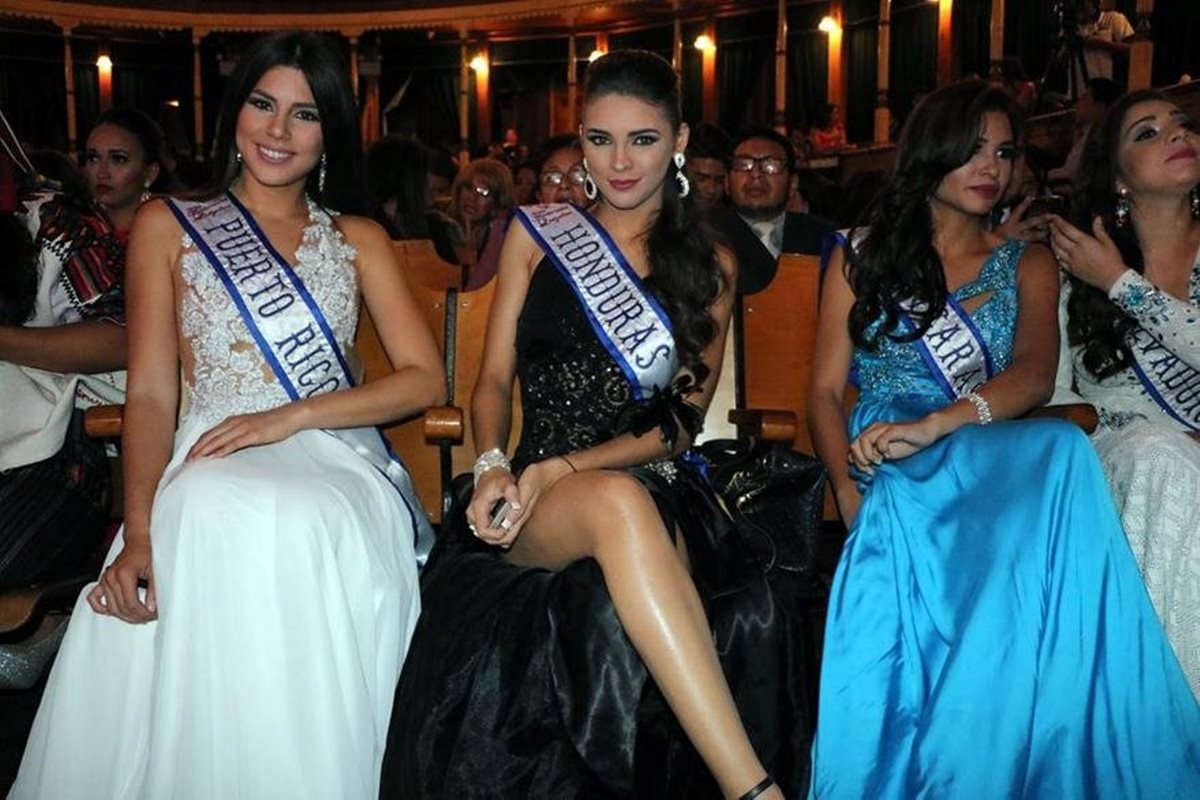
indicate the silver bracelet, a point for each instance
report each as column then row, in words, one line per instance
column 490, row 459
column 981, row 407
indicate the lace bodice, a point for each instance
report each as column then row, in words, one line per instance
column 224, row 370
column 896, row 369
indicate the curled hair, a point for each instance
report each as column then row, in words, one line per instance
column 1093, row 320
column 684, row 272
column 896, row 260
column 493, row 174
column 325, row 69
column 148, row 133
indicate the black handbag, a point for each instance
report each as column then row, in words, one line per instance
column 775, row 496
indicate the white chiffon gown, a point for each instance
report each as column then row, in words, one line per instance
column 287, row 595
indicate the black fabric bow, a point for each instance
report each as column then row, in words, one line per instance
column 666, row 410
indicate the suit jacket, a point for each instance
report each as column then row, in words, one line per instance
column 802, row 233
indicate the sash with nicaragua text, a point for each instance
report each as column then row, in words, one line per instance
column 627, row 319
column 954, row 350
column 290, row 330
column 1171, row 383
column 952, row 347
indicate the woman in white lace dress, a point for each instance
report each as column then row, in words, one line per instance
column 1131, row 313
column 245, row 638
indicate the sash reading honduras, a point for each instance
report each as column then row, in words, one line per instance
column 628, row 320
column 1170, row 382
column 952, row 347
column 289, row 328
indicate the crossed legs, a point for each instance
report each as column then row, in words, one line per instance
column 609, row 516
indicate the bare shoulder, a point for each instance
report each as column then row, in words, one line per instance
column 363, row 233
column 155, row 218
column 1037, row 263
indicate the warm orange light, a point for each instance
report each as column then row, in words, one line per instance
column 173, row 103
column 104, row 63
column 705, row 42
column 829, row 25
column 597, row 53
column 479, row 63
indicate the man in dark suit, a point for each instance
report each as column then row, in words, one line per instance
column 762, row 175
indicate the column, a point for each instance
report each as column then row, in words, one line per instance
column 572, row 73
column 197, row 97
column 69, row 70
column 832, row 27
column 945, row 42
column 481, row 64
column 781, row 33
column 883, row 74
column 354, row 63
column 104, row 70
column 1141, row 52
column 464, row 110
column 706, row 43
column 996, row 40
column 370, row 65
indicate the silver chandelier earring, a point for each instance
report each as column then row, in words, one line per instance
column 321, row 176
column 1196, row 202
column 1123, row 208
column 681, row 179
column 590, row 189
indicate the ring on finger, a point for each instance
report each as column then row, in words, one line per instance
column 505, row 525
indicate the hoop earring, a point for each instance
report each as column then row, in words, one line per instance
column 1123, row 208
column 681, row 180
column 1196, row 202
column 321, row 176
column 590, row 189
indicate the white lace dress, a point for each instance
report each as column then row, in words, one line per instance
column 287, row 595
column 1153, row 465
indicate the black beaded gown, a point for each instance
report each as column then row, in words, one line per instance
column 521, row 683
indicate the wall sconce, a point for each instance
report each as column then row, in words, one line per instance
column 597, row 53
column 828, row 25
column 479, row 63
column 705, row 43
column 104, row 63
column 172, row 103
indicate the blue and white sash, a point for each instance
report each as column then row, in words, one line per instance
column 627, row 319
column 953, row 349
column 289, row 328
column 1170, row 382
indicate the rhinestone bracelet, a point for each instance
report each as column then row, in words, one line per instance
column 981, row 407
column 490, row 459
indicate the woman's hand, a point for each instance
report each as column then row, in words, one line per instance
column 1018, row 226
column 890, row 441
column 1094, row 259
column 246, row 430
column 494, row 485
column 116, row 594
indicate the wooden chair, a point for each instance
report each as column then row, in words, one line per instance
column 424, row 267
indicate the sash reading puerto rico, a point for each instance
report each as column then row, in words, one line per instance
column 1170, row 382
column 628, row 320
column 289, row 328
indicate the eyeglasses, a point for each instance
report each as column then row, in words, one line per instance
column 770, row 165
column 482, row 191
column 576, row 175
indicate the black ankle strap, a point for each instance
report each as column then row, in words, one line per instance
column 759, row 788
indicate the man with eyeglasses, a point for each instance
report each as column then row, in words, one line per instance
column 762, row 175
column 561, row 172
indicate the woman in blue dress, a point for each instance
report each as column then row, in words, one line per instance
column 988, row 634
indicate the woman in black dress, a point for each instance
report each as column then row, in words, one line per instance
column 613, row 562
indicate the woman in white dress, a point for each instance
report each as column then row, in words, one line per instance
column 1131, row 313
column 245, row 638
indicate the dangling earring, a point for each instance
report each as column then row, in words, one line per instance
column 237, row 162
column 1196, row 202
column 1123, row 207
column 321, row 176
column 590, row 189
column 145, row 192
column 681, row 179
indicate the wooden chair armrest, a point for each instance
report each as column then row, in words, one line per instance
column 19, row 608
column 1082, row 414
column 103, row 422
column 444, row 425
column 765, row 424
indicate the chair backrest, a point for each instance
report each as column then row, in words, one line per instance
column 423, row 266
column 407, row 437
column 468, row 320
column 779, row 332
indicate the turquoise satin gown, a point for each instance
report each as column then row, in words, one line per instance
column 989, row 634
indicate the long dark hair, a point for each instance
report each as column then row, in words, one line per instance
column 397, row 169
column 1092, row 319
column 896, row 260
column 325, row 69
column 684, row 272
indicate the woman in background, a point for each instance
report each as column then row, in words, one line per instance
column 483, row 193
column 123, row 163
